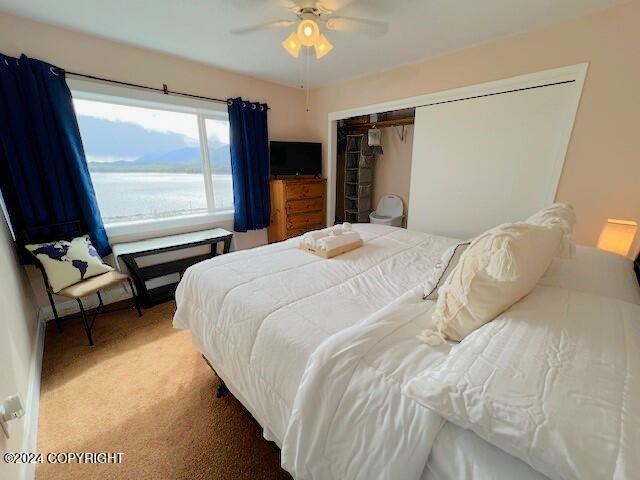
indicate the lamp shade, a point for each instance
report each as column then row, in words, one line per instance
column 323, row 46
column 292, row 45
column 617, row 236
column 308, row 32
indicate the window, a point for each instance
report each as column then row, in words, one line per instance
column 147, row 161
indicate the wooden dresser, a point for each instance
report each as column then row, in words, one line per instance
column 297, row 206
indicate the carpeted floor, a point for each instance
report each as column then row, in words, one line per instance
column 145, row 391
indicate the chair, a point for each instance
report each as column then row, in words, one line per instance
column 67, row 231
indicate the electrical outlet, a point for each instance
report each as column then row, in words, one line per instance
column 11, row 409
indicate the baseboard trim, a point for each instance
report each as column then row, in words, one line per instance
column 32, row 404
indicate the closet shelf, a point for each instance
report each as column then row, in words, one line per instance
column 358, row 178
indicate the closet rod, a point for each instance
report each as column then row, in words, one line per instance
column 165, row 90
column 497, row 93
column 398, row 122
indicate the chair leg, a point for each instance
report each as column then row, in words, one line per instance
column 136, row 300
column 101, row 303
column 85, row 324
column 55, row 312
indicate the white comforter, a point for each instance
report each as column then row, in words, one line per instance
column 553, row 381
column 258, row 315
column 351, row 419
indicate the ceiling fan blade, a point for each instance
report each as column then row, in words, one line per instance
column 358, row 25
column 293, row 5
column 262, row 26
column 332, row 5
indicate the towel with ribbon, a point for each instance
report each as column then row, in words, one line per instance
column 312, row 239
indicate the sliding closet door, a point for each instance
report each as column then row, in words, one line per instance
column 485, row 161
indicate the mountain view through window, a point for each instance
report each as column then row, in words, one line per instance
column 146, row 163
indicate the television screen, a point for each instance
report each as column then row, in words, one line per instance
column 295, row 158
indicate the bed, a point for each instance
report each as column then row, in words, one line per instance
column 281, row 326
column 246, row 305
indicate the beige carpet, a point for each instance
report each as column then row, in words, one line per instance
column 145, row 391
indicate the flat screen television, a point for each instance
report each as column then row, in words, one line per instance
column 295, row 158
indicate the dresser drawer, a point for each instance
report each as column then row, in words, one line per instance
column 304, row 220
column 304, row 190
column 305, row 205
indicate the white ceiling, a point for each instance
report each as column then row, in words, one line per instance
column 199, row 30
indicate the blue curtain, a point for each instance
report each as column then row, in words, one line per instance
column 249, row 143
column 43, row 172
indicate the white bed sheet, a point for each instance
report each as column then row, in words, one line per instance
column 243, row 307
column 459, row 454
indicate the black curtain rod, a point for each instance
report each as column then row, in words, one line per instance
column 165, row 90
column 496, row 93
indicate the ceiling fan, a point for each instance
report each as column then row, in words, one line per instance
column 309, row 14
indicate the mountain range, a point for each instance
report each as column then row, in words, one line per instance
column 152, row 151
column 182, row 160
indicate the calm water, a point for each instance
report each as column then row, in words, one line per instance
column 132, row 195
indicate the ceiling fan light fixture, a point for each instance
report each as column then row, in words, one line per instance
column 323, row 46
column 308, row 32
column 292, row 45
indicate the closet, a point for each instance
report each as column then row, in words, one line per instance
column 364, row 173
column 463, row 160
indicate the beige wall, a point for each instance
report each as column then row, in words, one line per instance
column 602, row 169
column 17, row 341
column 392, row 171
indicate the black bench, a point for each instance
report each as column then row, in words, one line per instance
column 132, row 251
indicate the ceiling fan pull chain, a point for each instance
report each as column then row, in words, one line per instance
column 307, row 81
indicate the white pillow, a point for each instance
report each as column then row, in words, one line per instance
column 69, row 262
column 497, row 269
column 554, row 381
column 558, row 215
column 595, row 271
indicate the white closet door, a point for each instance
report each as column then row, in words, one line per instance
column 485, row 161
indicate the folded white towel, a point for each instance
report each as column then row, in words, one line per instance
column 315, row 235
column 311, row 238
column 336, row 241
column 340, row 229
column 335, row 230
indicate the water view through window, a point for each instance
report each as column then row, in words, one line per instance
column 146, row 163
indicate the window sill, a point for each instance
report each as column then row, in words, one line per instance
column 141, row 230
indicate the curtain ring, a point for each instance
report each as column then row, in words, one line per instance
column 229, row 102
column 5, row 61
column 54, row 72
column 262, row 108
column 244, row 104
column 253, row 106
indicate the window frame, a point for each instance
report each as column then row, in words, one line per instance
column 131, row 96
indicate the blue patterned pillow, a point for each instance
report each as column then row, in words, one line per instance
column 67, row 263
